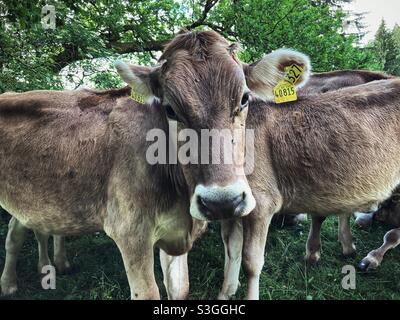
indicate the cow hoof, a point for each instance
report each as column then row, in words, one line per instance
column 8, row 289
column 229, row 293
column 313, row 260
column 363, row 266
column 368, row 264
column 65, row 268
column 223, row 296
column 349, row 250
column 350, row 254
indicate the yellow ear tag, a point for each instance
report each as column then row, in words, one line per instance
column 137, row 96
column 285, row 90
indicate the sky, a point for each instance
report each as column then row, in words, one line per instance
column 375, row 11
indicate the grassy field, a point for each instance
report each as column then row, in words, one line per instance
column 100, row 273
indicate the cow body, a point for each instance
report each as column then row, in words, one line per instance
column 87, row 170
column 320, row 133
column 335, row 80
column 334, row 153
column 101, row 134
column 331, row 81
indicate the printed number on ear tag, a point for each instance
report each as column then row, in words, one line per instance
column 137, row 97
column 293, row 73
column 285, row 92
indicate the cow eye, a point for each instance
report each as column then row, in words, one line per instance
column 171, row 113
column 245, row 101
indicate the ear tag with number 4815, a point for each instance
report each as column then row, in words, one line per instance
column 285, row 90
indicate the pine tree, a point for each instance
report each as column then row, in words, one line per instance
column 396, row 36
column 386, row 51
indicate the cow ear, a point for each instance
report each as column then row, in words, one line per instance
column 262, row 76
column 142, row 80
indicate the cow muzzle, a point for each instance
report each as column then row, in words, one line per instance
column 217, row 203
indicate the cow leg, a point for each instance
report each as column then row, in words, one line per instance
column 313, row 246
column 14, row 241
column 140, row 271
column 232, row 236
column 345, row 236
column 42, row 240
column 176, row 275
column 137, row 253
column 255, row 231
column 60, row 255
column 390, row 241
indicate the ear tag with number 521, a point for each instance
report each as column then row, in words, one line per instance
column 285, row 90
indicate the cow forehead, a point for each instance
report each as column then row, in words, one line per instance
column 182, row 62
column 218, row 77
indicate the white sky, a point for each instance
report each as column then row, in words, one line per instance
column 375, row 11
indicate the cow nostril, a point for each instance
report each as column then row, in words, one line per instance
column 237, row 200
column 224, row 207
column 201, row 202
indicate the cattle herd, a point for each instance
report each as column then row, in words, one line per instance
column 74, row 162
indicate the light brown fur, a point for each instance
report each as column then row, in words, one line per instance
column 79, row 174
column 74, row 162
column 334, row 153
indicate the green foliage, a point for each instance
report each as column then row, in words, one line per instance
column 396, row 35
column 86, row 31
column 31, row 57
column 313, row 27
column 387, row 49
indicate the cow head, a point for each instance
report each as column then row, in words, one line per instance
column 202, row 86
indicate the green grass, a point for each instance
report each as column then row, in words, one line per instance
column 101, row 274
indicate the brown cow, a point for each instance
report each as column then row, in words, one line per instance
column 75, row 162
column 346, row 78
column 317, row 84
column 320, row 83
column 333, row 153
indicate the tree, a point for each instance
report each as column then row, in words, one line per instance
column 396, row 38
column 313, row 27
column 90, row 34
column 396, row 35
column 386, row 51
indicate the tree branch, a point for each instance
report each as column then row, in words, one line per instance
column 220, row 29
column 283, row 18
column 71, row 52
column 207, row 7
